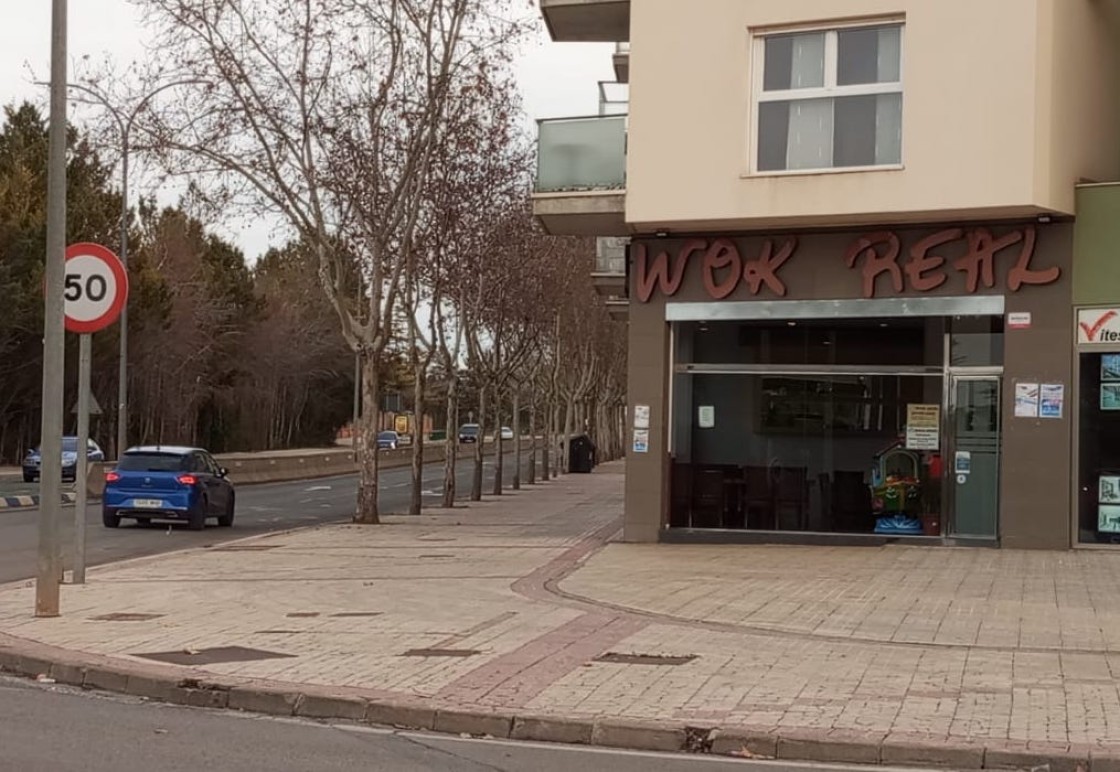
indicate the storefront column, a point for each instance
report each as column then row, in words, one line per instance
column 646, row 478
column 1036, row 467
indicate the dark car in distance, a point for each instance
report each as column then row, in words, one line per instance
column 168, row 483
column 33, row 462
column 469, row 433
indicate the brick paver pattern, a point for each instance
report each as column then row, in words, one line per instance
column 520, row 597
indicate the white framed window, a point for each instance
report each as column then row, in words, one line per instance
column 828, row 99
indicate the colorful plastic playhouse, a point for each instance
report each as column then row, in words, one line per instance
column 896, row 491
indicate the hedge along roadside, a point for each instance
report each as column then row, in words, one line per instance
column 259, row 469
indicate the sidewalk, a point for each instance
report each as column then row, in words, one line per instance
column 510, row 618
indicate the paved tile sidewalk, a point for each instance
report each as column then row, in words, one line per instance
column 514, row 602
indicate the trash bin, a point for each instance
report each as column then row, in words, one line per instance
column 581, row 455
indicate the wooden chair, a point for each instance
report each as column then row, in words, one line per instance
column 758, row 498
column 792, row 495
column 708, row 498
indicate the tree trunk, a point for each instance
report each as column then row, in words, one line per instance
column 532, row 477
column 499, row 455
column 517, row 439
column 546, row 448
column 568, row 429
column 417, row 501
column 365, row 444
column 476, row 479
column 451, row 443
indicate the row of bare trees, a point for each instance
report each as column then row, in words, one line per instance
column 385, row 135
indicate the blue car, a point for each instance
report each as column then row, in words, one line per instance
column 168, row 483
column 33, row 462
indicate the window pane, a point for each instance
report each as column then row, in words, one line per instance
column 855, row 131
column 793, row 62
column 810, row 134
column 1099, row 498
column 888, row 129
column 773, row 135
column 869, row 55
column 868, row 130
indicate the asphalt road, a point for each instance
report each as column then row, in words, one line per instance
column 59, row 729
column 260, row 509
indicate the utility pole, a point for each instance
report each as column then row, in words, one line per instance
column 49, row 562
column 122, row 366
column 81, row 481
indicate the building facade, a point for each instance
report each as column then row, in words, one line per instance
column 871, row 273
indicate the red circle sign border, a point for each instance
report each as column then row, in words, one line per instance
column 107, row 256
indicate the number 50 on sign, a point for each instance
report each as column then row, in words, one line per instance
column 96, row 288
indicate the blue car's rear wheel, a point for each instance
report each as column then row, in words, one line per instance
column 197, row 520
column 226, row 520
column 110, row 518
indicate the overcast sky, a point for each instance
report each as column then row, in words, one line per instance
column 557, row 79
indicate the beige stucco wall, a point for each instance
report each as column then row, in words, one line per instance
column 1078, row 118
column 989, row 91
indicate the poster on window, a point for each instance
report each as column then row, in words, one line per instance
column 923, row 427
column 1108, row 518
column 1109, row 490
column 1026, row 400
column 641, row 441
column 1051, row 400
column 707, row 416
column 641, row 416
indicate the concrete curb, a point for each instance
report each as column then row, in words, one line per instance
column 186, row 686
column 28, row 502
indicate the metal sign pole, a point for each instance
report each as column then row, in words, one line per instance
column 49, row 566
column 80, row 478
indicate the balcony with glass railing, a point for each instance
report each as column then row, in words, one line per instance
column 587, row 21
column 581, row 175
column 608, row 274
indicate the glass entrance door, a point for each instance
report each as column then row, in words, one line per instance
column 974, row 458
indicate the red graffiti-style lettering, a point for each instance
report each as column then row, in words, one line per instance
column 661, row 272
column 922, row 263
column 877, row 263
column 978, row 264
column 721, row 256
column 764, row 270
column 1023, row 274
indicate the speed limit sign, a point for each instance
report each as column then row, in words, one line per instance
column 96, row 288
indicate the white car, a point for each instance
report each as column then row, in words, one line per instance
column 507, row 433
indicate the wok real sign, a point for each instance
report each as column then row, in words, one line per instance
column 1098, row 326
column 879, row 264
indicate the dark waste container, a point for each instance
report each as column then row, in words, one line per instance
column 581, row 455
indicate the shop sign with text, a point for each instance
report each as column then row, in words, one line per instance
column 880, row 262
column 1099, row 326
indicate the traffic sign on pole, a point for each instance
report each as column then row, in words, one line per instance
column 96, row 290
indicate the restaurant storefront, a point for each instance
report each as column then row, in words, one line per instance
column 904, row 384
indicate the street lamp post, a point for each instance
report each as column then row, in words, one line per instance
column 125, row 122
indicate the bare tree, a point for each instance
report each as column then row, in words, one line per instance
column 327, row 114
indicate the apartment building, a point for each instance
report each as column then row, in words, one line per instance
column 869, row 256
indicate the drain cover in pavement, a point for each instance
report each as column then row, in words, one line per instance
column 216, row 656
column 125, row 617
column 246, row 547
column 644, row 659
column 353, row 614
column 441, row 653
